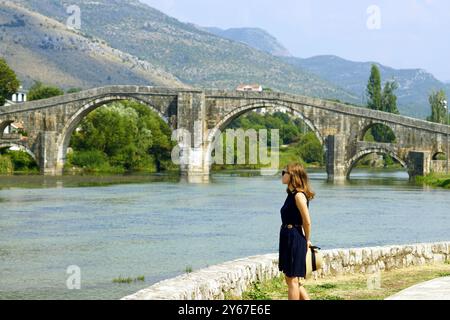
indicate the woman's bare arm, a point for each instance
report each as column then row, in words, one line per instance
column 302, row 205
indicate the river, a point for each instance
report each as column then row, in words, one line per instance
column 158, row 225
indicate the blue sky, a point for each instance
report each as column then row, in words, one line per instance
column 411, row 33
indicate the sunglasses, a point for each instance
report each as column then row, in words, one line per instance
column 284, row 172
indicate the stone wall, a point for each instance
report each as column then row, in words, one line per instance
column 438, row 166
column 236, row 276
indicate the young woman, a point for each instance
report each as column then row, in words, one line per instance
column 295, row 232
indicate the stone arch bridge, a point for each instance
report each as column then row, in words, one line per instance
column 50, row 123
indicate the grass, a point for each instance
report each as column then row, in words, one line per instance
column 444, row 274
column 188, row 269
column 349, row 287
column 257, row 292
column 120, row 279
column 435, row 180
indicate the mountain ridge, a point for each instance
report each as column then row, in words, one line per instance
column 255, row 37
column 415, row 84
column 40, row 48
column 195, row 57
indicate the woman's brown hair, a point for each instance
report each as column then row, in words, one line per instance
column 298, row 178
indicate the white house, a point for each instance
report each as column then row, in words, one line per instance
column 19, row 96
column 250, row 87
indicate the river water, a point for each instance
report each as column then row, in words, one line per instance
column 157, row 225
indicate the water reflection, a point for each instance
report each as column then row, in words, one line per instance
column 82, row 181
column 196, row 178
column 358, row 176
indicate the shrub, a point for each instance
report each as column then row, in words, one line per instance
column 40, row 91
column 311, row 149
column 22, row 161
column 127, row 135
column 88, row 159
column 6, row 165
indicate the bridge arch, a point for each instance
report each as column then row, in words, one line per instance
column 4, row 145
column 354, row 160
column 439, row 154
column 371, row 125
column 69, row 127
column 236, row 113
column 4, row 125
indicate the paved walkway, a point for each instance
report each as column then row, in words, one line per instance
column 437, row 289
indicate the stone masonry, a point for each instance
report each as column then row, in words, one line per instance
column 235, row 277
column 340, row 128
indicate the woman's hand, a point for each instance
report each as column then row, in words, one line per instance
column 309, row 245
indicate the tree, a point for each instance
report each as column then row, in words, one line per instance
column 154, row 136
column 374, row 89
column 122, row 135
column 110, row 130
column 40, row 91
column 389, row 99
column 382, row 133
column 438, row 111
column 382, row 100
column 8, row 82
column 311, row 149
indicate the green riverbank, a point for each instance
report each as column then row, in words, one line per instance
column 435, row 180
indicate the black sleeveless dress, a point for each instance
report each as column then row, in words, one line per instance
column 293, row 244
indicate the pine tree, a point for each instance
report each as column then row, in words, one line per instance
column 374, row 89
column 389, row 99
column 381, row 100
column 438, row 110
